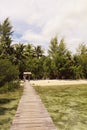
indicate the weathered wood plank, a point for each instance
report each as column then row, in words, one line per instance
column 31, row 113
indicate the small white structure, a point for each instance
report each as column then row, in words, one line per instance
column 26, row 75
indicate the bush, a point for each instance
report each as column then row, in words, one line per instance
column 10, row 86
column 8, row 72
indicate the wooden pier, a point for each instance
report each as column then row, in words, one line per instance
column 31, row 113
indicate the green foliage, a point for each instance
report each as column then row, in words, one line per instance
column 58, row 64
column 82, row 49
column 29, row 51
column 34, row 61
column 66, row 104
column 61, row 58
column 8, row 72
column 10, row 86
column 35, row 66
column 6, row 38
column 38, row 52
column 53, row 47
column 47, row 67
column 8, row 106
column 62, row 47
column 19, row 58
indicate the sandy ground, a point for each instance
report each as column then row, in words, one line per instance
column 57, row 82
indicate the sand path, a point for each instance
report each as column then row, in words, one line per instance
column 57, row 82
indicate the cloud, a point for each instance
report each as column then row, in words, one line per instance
column 37, row 21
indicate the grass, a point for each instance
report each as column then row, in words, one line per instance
column 67, row 105
column 8, row 106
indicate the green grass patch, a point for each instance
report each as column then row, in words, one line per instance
column 67, row 105
column 8, row 106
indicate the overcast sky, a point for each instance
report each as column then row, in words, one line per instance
column 37, row 21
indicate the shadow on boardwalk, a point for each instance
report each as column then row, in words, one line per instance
column 31, row 113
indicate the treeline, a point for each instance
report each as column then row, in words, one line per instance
column 60, row 63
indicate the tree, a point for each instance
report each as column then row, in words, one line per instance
column 59, row 55
column 29, row 50
column 62, row 47
column 47, row 67
column 19, row 58
column 38, row 52
column 53, row 49
column 35, row 66
column 62, row 60
column 53, row 55
column 8, row 71
column 81, row 60
column 18, row 53
column 6, row 38
column 82, row 49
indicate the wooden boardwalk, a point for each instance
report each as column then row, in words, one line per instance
column 31, row 113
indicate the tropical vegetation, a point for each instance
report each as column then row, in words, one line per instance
column 59, row 63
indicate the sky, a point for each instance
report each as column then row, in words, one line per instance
column 38, row 21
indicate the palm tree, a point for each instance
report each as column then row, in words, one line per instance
column 19, row 58
column 38, row 52
column 18, row 53
column 29, row 50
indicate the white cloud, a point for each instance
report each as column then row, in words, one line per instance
column 65, row 18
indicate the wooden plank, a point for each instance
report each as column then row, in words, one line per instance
column 31, row 113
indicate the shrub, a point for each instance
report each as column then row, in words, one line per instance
column 8, row 72
column 10, row 86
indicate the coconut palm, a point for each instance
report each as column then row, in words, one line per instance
column 38, row 52
column 29, row 50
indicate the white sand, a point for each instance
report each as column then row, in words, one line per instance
column 57, row 82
